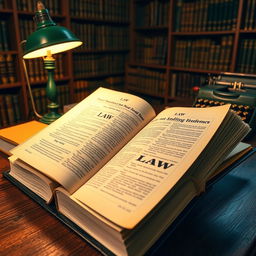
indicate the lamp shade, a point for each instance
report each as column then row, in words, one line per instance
column 48, row 37
column 54, row 38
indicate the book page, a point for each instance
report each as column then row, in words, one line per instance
column 75, row 146
column 142, row 173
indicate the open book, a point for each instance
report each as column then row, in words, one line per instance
column 120, row 172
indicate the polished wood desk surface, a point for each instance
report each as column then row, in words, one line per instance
column 28, row 229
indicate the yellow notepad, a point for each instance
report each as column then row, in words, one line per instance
column 15, row 135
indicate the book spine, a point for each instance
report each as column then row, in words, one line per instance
column 4, row 35
column 235, row 5
column 182, row 84
column 251, row 20
column 151, row 50
column 10, row 68
column 147, row 80
column 247, row 14
column 3, row 112
column 115, row 82
column 3, row 69
column 43, row 100
column 243, row 52
column 116, row 10
column 248, row 56
column 16, row 108
column 37, row 99
column 228, row 52
column 102, row 37
column 253, row 68
column 9, row 109
column 2, row 4
column 203, row 53
column 91, row 64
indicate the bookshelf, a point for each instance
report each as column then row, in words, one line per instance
column 183, row 40
column 103, row 26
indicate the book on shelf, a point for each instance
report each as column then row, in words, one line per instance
column 152, row 13
column 204, row 53
column 7, row 69
column 246, row 56
column 10, row 110
column 29, row 5
column 12, row 136
column 146, row 80
column 3, row 70
column 10, row 67
column 212, row 15
column 151, row 50
column 102, row 37
column 116, row 10
column 112, row 166
column 98, row 64
column 249, row 20
column 2, row 4
column 5, row 44
column 115, row 82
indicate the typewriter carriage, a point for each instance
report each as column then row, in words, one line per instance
column 237, row 89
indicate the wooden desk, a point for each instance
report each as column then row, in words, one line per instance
column 27, row 229
column 222, row 222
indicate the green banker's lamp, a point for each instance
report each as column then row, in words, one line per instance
column 48, row 39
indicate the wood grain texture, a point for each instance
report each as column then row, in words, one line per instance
column 222, row 222
column 27, row 229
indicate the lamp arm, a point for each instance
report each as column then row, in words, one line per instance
column 29, row 86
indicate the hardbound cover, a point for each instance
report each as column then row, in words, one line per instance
column 164, row 237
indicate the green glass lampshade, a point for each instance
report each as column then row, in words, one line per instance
column 48, row 39
column 48, row 36
column 54, row 38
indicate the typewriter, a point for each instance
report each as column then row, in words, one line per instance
column 237, row 89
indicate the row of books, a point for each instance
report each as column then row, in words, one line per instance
column 2, row 4
column 201, row 15
column 182, row 83
column 27, row 27
column 10, row 110
column 4, row 39
column 117, row 10
column 152, row 13
column 250, row 14
column 10, row 105
column 205, row 53
column 115, row 83
column 41, row 102
column 151, row 49
column 7, row 69
column 146, row 80
column 97, row 64
column 246, row 56
column 102, row 36
column 30, row 6
column 83, row 88
column 36, row 71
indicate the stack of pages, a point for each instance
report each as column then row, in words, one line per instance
column 112, row 166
